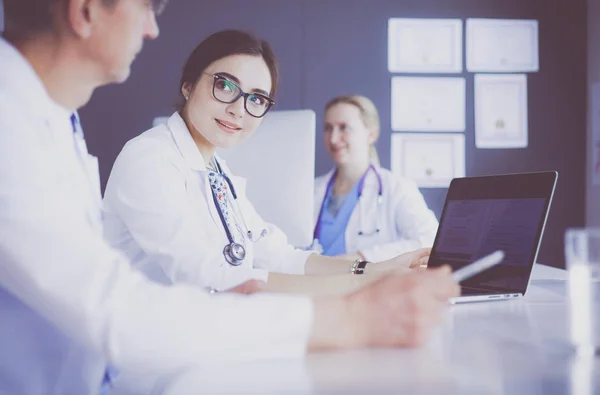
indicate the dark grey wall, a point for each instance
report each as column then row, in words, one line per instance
column 330, row 47
column 119, row 112
column 347, row 48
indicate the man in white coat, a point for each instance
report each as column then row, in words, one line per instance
column 70, row 305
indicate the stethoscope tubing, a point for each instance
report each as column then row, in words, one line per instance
column 361, row 184
column 232, row 248
column 222, row 217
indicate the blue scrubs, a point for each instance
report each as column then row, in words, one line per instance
column 332, row 235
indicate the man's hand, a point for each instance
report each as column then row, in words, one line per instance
column 402, row 310
column 399, row 310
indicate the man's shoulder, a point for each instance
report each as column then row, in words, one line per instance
column 14, row 118
column 10, row 104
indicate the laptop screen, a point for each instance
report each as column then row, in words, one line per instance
column 485, row 214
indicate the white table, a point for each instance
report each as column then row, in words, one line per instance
column 499, row 347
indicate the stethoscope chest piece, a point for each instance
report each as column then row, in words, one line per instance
column 234, row 253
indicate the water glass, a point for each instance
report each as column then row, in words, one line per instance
column 582, row 251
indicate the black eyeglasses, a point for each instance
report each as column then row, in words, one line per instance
column 227, row 91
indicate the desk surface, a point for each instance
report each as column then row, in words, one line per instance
column 500, row 347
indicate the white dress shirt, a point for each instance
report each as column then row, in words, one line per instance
column 159, row 209
column 70, row 304
column 403, row 219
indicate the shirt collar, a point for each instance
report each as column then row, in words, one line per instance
column 185, row 143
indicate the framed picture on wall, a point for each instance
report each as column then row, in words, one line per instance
column 431, row 160
column 428, row 104
column 502, row 45
column 425, row 45
column 501, row 111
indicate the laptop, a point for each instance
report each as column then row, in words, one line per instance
column 485, row 214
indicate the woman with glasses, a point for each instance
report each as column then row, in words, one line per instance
column 177, row 211
column 363, row 211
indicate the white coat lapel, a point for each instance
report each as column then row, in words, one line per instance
column 83, row 167
column 370, row 203
column 89, row 164
column 364, row 218
column 91, row 168
column 196, row 164
column 320, row 190
column 239, row 183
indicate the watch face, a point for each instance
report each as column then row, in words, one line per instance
column 234, row 254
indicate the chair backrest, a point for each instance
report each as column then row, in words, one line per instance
column 278, row 161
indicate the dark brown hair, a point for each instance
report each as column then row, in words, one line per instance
column 223, row 44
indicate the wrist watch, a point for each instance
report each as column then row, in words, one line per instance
column 358, row 266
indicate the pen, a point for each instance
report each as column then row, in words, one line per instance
column 478, row 266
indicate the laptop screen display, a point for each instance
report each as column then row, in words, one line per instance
column 485, row 214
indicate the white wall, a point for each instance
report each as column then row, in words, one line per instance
column 593, row 192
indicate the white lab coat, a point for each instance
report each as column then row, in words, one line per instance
column 68, row 302
column 404, row 221
column 158, row 209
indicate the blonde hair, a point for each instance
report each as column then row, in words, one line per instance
column 368, row 114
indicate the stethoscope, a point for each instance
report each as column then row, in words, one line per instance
column 234, row 252
column 361, row 184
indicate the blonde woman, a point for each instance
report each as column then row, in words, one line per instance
column 363, row 211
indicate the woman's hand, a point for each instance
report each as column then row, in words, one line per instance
column 396, row 310
column 411, row 260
